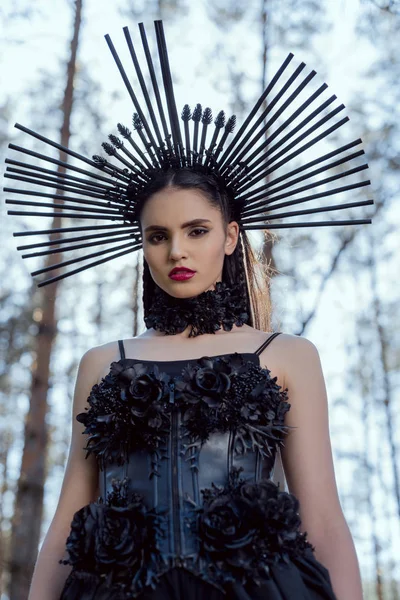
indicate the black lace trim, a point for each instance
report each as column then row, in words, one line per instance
column 130, row 408
column 224, row 306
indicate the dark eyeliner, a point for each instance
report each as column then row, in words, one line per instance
column 151, row 240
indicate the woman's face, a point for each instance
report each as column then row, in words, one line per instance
column 181, row 228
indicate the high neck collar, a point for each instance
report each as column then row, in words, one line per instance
column 223, row 306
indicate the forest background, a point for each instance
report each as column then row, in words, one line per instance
column 339, row 287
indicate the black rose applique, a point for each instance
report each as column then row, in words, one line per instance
column 246, row 527
column 117, row 538
column 127, row 410
column 233, row 394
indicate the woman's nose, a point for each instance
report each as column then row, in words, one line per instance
column 177, row 249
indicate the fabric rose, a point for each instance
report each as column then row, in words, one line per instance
column 225, row 394
column 119, row 537
column 127, row 410
column 207, row 381
column 114, row 540
column 246, row 527
column 140, row 385
column 274, row 510
column 223, row 526
column 202, row 391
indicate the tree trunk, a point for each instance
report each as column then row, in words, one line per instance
column 368, row 468
column 267, row 243
column 384, row 350
column 29, row 498
column 135, row 297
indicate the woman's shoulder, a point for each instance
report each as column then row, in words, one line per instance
column 282, row 352
column 281, row 339
column 98, row 359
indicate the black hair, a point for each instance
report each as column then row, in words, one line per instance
column 239, row 267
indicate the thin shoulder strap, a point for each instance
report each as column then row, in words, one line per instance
column 268, row 341
column 121, row 348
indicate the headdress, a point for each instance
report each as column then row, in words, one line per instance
column 258, row 165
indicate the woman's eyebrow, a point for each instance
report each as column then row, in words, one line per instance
column 187, row 224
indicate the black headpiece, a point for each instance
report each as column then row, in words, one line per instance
column 258, row 166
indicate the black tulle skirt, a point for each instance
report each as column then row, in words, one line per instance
column 302, row 579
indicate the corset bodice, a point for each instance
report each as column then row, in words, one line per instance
column 173, row 474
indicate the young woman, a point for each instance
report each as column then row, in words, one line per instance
column 175, row 498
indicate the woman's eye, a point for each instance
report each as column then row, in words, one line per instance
column 155, row 238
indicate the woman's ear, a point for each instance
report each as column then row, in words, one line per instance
column 232, row 236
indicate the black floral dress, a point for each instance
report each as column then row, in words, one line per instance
column 187, row 509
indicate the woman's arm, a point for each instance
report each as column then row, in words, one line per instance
column 80, row 486
column 309, row 470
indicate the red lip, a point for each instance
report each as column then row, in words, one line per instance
column 180, row 270
column 181, row 273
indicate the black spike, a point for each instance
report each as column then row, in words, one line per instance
column 130, row 91
column 305, row 211
column 231, row 124
column 138, row 126
column 136, row 121
column 186, row 114
column 79, row 238
column 219, row 124
column 89, row 266
column 116, row 141
column 68, row 229
column 220, row 120
column 206, row 119
column 63, row 185
column 197, row 113
column 99, row 160
column 79, row 259
column 111, row 151
column 120, row 145
column 255, row 108
column 252, row 137
column 169, row 89
column 64, row 249
column 229, row 127
column 156, row 90
column 272, row 183
column 143, row 86
column 307, row 224
column 196, row 117
column 124, row 131
column 40, row 137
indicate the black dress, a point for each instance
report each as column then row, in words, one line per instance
column 187, row 509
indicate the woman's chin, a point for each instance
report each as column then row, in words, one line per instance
column 185, row 289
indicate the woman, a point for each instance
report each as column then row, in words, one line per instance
column 185, row 223
column 173, row 498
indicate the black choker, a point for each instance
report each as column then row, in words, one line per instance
column 206, row 313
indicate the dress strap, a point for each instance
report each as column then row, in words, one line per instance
column 121, row 348
column 268, row 341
